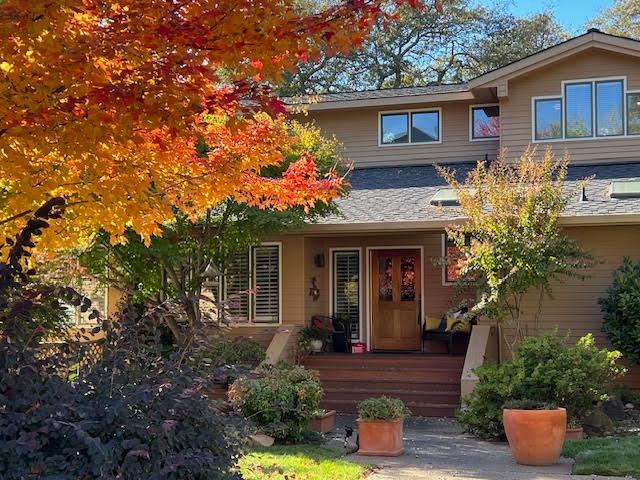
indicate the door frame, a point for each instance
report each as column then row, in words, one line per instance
column 369, row 251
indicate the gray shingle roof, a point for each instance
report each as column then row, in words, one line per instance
column 382, row 93
column 402, row 194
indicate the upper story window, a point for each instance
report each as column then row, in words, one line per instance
column 485, row 122
column 587, row 109
column 411, row 127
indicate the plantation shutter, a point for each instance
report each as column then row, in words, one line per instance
column 266, row 284
column 236, row 287
column 346, row 287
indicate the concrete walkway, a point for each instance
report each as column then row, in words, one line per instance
column 436, row 449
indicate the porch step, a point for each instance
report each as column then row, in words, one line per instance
column 428, row 385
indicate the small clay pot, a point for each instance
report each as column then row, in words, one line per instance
column 535, row 436
column 325, row 423
column 574, row 434
column 380, row 438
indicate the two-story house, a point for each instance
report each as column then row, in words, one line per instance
column 377, row 262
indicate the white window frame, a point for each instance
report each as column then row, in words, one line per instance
column 562, row 98
column 483, row 139
column 360, row 281
column 409, row 113
column 250, row 321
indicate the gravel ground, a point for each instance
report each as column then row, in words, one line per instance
column 436, row 449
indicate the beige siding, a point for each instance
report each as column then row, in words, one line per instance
column 516, row 115
column 357, row 129
column 574, row 307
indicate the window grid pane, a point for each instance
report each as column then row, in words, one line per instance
column 486, row 122
column 578, row 106
column 609, row 108
column 346, row 288
column 394, row 128
column 425, row 127
column 548, row 122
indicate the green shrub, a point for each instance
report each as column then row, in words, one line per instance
column 543, row 369
column 528, row 404
column 626, row 394
column 280, row 400
column 315, row 333
column 621, row 310
column 382, row 408
column 240, row 351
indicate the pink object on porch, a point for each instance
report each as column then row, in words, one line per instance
column 358, row 347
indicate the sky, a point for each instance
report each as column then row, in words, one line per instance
column 572, row 14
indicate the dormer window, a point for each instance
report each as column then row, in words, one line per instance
column 410, row 127
column 587, row 109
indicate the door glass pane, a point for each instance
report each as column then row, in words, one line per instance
column 395, row 128
column 548, row 119
column 633, row 113
column 486, row 122
column 425, row 127
column 578, row 97
column 385, row 279
column 408, row 280
column 609, row 107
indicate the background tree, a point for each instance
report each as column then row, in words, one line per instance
column 512, row 214
column 102, row 103
column 421, row 47
column 622, row 18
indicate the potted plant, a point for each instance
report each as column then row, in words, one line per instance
column 380, row 426
column 316, row 337
column 323, row 421
column 535, row 431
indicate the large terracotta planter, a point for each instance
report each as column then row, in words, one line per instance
column 535, row 436
column 574, row 433
column 325, row 423
column 380, row 437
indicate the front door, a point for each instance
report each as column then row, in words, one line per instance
column 395, row 305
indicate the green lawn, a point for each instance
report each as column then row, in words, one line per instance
column 605, row 456
column 299, row 462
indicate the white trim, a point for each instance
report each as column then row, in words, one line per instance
column 369, row 285
column 561, row 96
column 360, row 283
column 482, row 139
column 250, row 322
column 409, row 113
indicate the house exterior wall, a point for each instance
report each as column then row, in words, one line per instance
column 358, row 131
column 516, row 110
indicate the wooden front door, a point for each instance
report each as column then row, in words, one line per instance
column 395, row 300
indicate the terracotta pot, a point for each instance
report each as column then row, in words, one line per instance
column 325, row 423
column 573, row 433
column 380, row 437
column 535, row 436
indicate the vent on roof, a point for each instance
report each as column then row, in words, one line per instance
column 445, row 197
column 626, row 189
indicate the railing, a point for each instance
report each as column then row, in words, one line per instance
column 483, row 346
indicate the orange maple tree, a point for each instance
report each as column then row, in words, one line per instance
column 102, row 102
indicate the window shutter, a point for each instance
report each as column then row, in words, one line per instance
column 236, row 288
column 266, row 282
column 346, row 298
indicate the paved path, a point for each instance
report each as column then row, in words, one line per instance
column 436, row 449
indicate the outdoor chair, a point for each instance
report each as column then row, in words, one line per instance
column 340, row 331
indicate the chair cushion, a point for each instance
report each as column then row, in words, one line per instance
column 432, row 323
column 461, row 326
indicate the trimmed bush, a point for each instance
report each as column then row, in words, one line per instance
column 280, row 400
column 382, row 408
column 241, row 351
column 621, row 310
column 544, row 369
